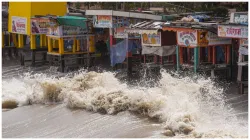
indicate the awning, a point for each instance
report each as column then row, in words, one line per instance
column 72, row 21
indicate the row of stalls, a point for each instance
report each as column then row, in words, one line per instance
column 134, row 41
column 237, row 31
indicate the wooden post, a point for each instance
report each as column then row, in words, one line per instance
column 177, row 58
column 2, row 39
column 49, row 44
column 77, row 45
column 209, row 53
column 214, row 55
column 20, row 41
column 181, row 54
column 61, row 46
column 228, row 54
column 14, row 40
column 196, row 58
column 188, row 55
column 32, row 42
column 74, row 46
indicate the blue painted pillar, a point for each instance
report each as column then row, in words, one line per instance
column 177, row 58
column 196, row 58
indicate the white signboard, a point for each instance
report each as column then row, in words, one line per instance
column 187, row 38
column 100, row 21
column 19, row 25
column 231, row 31
column 213, row 39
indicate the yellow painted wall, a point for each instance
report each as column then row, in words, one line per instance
column 29, row 9
column 20, row 9
column 44, row 8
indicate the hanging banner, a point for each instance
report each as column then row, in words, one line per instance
column 19, row 25
column 102, row 21
column 151, row 39
column 187, row 38
column 203, row 38
column 39, row 26
column 120, row 33
column 213, row 40
column 232, row 31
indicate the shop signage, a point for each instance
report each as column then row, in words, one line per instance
column 66, row 31
column 215, row 40
column 19, row 25
column 241, row 18
column 233, row 31
column 102, row 21
column 120, row 32
column 120, row 22
column 203, row 38
column 244, row 42
column 151, row 39
column 187, row 38
column 39, row 26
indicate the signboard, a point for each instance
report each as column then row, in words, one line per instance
column 134, row 35
column 215, row 40
column 203, row 38
column 72, row 30
column 120, row 22
column 151, row 39
column 120, row 33
column 66, row 31
column 39, row 26
column 102, row 21
column 233, row 31
column 19, row 25
column 187, row 38
column 241, row 18
column 244, row 42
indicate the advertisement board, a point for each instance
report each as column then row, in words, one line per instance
column 213, row 40
column 187, row 38
column 231, row 31
column 66, row 31
column 120, row 33
column 19, row 25
column 39, row 26
column 151, row 39
column 241, row 18
column 100, row 21
column 202, row 38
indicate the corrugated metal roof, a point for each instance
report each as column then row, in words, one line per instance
column 149, row 25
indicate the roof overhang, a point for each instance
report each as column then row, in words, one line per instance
column 123, row 14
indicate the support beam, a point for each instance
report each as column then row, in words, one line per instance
column 177, row 58
column 181, row 55
column 196, row 59
column 61, row 46
column 32, row 42
column 209, row 54
column 228, row 54
column 2, row 39
column 74, row 46
column 214, row 55
column 77, row 45
column 20, row 41
column 49, row 44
